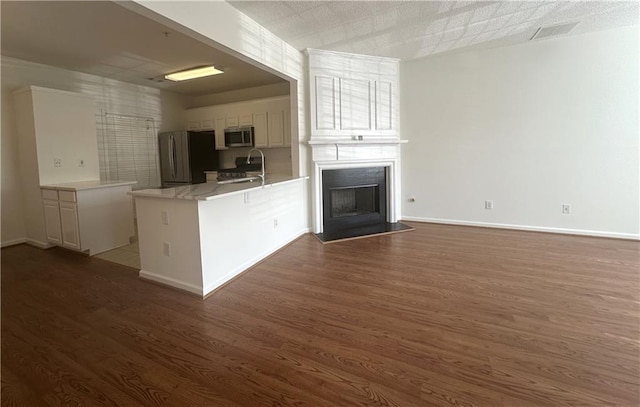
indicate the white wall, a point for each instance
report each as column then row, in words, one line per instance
column 65, row 128
column 12, row 214
column 110, row 96
column 241, row 95
column 531, row 127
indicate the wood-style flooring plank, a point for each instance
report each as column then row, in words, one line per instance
column 442, row 316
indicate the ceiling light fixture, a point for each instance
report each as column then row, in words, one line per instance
column 193, row 73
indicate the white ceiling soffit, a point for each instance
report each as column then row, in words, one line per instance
column 105, row 39
column 415, row 29
column 553, row 30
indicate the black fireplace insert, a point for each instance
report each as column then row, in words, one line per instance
column 353, row 197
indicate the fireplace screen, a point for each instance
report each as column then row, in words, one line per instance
column 353, row 198
column 354, row 201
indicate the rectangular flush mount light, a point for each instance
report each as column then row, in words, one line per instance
column 193, row 73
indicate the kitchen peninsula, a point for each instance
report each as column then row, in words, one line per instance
column 198, row 237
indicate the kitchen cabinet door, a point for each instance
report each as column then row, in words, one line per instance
column 52, row 221
column 207, row 124
column 260, row 130
column 246, row 119
column 193, row 125
column 69, row 225
column 219, row 132
column 232, row 121
column 275, row 120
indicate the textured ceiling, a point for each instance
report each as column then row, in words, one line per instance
column 415, row 29
column 108, row 40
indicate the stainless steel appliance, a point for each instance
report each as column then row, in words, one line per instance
column 185, row 156
column 238, row 137
column 246, row 169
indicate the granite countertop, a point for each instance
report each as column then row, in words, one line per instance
column 92, row 184
column 212, row 190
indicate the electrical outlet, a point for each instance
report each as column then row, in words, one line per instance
column 166, row 247
column 488, row 205
column 165, row 217
column 275, row 223
column 57, row 162
column 566, row 209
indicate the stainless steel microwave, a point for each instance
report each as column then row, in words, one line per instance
column 238, row 137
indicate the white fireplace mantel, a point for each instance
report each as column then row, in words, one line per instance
column 345, row 153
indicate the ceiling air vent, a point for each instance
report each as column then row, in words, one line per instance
column 553, row 30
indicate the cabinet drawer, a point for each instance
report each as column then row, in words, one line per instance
column 51, row 194
column 67, row 196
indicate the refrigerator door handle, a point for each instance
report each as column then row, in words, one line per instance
column 174, row 158
column 170, row 148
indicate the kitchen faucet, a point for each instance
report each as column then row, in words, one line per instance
column 249, row 160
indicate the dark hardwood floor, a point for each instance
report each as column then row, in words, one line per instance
column 441, row 316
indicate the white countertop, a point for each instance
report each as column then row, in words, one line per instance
column 212, row 190
column 93, row 184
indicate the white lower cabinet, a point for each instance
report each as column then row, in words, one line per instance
column 52, row 221
column 61, row 218
column 69, row 225
column 90, row 220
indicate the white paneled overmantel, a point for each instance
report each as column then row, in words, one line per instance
column 352, row 95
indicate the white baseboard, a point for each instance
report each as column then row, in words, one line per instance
column 147, row 275
column 250, row 263
column 580, row 232
column 39, row 244
column 13, row 242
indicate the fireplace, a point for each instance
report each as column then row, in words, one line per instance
column 356, row 187
column 353, row 198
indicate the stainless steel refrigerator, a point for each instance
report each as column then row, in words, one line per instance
column 185, row 156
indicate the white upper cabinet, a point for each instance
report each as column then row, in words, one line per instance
column 260, row 130
column 275, row 121
column 245, row 119
column 200, row 119
column 219, row 126
column 231, row 121
column 353, row 95
column 270, row 118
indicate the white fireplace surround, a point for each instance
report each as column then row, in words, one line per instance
column 335, row 154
